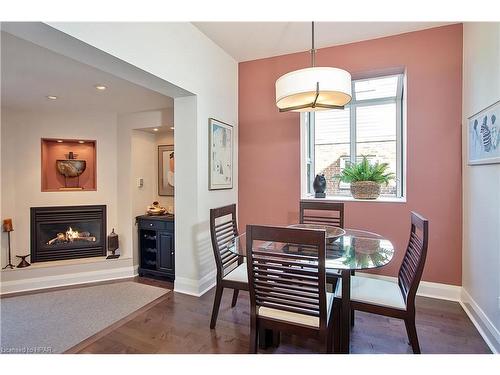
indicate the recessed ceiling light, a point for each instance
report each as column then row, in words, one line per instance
column 81, row 141
column 172, row 128
column 60, row 141
column 51, row 97
column 100, row 87
column 155, row 129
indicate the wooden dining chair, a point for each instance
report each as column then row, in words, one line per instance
column 396, row 300
column 288, row 288
column 231, row 272
column 324, row 213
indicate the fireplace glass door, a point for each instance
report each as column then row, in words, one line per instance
column 68, row 232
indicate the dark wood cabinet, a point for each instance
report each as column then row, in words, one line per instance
column 165, row 257
column 156, row 245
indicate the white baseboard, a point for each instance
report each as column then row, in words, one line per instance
column 439, row 291
column 485, row 321
column 186, row 286
column 36, row 283
column 195, row 288
column 207, row 282
column 426, row 288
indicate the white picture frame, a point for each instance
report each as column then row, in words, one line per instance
column 483, row 136
column 220, row 155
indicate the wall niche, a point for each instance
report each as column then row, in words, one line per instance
column 68, row 164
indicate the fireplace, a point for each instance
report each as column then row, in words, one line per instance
column 67, row 232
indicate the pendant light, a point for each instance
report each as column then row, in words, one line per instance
column 313, row 89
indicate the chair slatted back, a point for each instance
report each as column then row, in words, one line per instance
column 223, row 229
column 288, row 279
column 326, row 213
column 413, row 263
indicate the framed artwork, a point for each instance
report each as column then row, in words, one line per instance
column 220, row 157
column 483, row 136
column 166, row 170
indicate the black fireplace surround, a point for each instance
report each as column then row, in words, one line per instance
column 67, row 232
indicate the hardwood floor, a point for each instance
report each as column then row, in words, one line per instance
column 180, row 324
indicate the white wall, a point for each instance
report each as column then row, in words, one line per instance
column 1, row 212
column 21, row 172
column 143, row 162
column 180, row 54
column 481, row 184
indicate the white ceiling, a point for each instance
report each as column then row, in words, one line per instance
column 159, row 130
column 30, row 73
column 255, row 40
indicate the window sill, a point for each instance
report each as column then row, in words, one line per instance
column 330, row 198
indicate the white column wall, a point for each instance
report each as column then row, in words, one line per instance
column 481, row 183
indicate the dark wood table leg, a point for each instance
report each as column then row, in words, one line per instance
column 276, row 338
column 346, row 312
column 267, row 338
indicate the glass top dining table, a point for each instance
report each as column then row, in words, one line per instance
column 347, row 250
column 355, row 250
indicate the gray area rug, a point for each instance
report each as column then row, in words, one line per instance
column 53, row 322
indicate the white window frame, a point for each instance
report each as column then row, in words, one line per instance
column 308, row 143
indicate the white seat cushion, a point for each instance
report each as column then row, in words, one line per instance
column 292, row 317
column 374, row 291
column 238, row 274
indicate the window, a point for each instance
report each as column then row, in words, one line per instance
column 371, row 125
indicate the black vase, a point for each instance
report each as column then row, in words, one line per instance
column 319, row 186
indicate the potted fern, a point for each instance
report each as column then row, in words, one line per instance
column 366, row 178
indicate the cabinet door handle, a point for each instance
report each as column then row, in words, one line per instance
column 150, row 224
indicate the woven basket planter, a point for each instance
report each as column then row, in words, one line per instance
column 365, row 190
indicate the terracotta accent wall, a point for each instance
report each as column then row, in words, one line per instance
column 269, row 143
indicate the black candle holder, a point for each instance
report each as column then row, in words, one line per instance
column 113, row 245
column 9, row 265
column 24, row 262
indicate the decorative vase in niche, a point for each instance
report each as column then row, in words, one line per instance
column 71, row 168
column 319, row 186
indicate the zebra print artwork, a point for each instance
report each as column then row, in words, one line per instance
column 484, row 136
